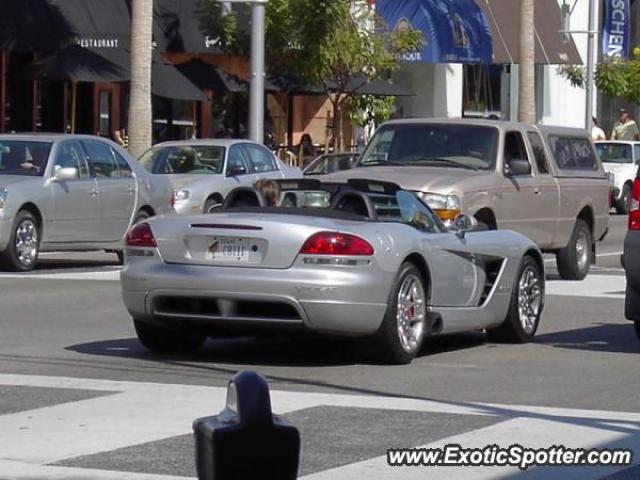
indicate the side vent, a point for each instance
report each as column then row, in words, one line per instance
column 492, row 270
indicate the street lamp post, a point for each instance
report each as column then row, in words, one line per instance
column 256, row 85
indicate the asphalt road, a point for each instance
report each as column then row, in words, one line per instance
column 71, row 367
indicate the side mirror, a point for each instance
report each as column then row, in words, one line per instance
column 517, row 167
column 65, row 174
column 464, row 223
column 236, row 170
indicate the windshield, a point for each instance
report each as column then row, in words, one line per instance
column 430, row 144
column 23, row 157
column 184, row 159
column 614, row 152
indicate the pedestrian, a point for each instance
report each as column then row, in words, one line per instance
column 625, row 128
column 596, row 132
column 306, row 150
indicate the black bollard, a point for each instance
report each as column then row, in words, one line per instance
column 246, row 441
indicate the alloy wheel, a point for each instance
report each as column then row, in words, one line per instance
column 529, row 298
column 26, row 242
column 410, row 313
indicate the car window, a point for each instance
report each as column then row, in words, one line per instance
column 514, row 148
column 184, row 159
column 407, row 208
column 23, row 157
column 636, row 153
column 71, row 155
column 237, row 159
column 615, row 152
column 573, row 153
column 102, row 159
column 124, row 170
column 261, row 159
column 539, row 154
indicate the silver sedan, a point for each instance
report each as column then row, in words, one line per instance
column 376, row 261
column 70, row 192
column 203, row 172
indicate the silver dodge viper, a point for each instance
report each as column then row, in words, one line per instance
column 364, row 258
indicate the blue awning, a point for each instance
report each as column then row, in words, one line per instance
column 455, row 31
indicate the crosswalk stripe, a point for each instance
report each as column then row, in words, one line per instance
column 144, row 412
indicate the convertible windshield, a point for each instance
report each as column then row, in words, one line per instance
column 614, row 152
column 430, row 144
column 184, row 159
column 23, row 157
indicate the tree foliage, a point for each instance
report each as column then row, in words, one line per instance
column 613, row 77
column 340, row 45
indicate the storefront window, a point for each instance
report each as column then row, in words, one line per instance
column 482, row 85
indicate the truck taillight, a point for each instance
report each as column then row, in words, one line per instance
column 634, row 207
column 334, row 243
column 140, row 235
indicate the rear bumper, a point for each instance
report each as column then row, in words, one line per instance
column 339, row 300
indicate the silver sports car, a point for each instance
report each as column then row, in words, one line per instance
column 364, row 258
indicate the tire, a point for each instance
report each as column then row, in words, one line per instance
column 521, row 324
column 211, row 204
column 396, row 347
column 140, row 216
column 636, row 324
column 622, row 205
column 24, row 244
column 165, row 340
column 574, row 260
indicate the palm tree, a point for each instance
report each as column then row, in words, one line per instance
column 527, row 83
column 140, row 114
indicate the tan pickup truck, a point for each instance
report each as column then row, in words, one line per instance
column 544, row 182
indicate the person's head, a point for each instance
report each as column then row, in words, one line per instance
column 271, row 191
column 624, row 115
column 306, row 139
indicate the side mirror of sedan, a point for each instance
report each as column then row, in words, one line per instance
column 517, row 167
column 464, row 223
column 65, row 174
column 236, row 170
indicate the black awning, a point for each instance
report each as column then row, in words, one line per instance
column 209, row 77
column 48, row 25
column 504, row 19
column 79, row 64
column 168, row 82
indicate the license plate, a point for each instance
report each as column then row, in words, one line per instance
column 228, row 249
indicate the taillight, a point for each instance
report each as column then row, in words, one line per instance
column 140, row 235
column 334, row 243
column 634, row 207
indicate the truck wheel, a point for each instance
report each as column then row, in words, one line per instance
column 164, row 340
column 525, row 308
column 622, row 205
column 404, row 325
column 574, row 260
column 24, row 244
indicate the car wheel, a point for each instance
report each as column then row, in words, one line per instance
column 404, row 325
column 622, row 206
column 525, row 307
column 574, row 260
column 211, row 204
column 164, row 340
column 24, row 244
column 140, row 216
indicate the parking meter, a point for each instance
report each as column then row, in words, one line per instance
column 245, row 440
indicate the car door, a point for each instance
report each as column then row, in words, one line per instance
column 76, row 201
column 263, row 163
column 456, row 276
column 116, row 190
column 518, row 202
column 238, row 170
